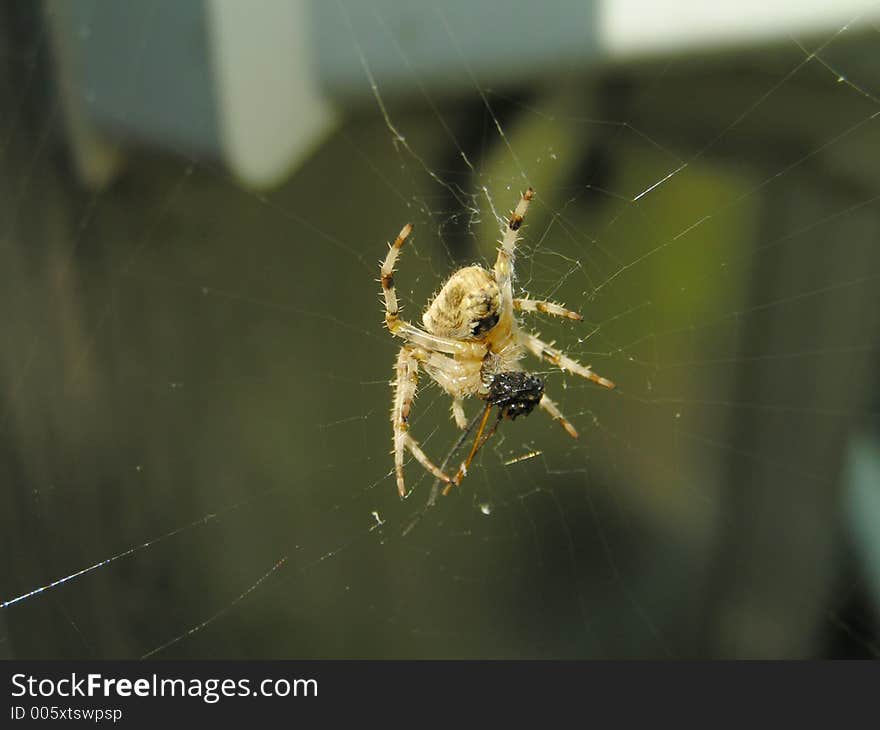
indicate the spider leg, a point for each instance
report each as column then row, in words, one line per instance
column 423, row 459
column 479, row 441
column 405, row 385
column 554, row 412
column 504, row 262
column 458, row 413
column 400, row 327
column 539, row 305
column 545, row 351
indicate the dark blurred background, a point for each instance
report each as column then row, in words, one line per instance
column 194, row 369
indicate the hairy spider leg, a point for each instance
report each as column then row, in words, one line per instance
column 547, row 352
column 553, row 411
column 400, row 327
column 405, row 386
column 507, row 251
column 551, row 308
column 458, row 413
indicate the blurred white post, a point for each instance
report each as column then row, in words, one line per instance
column 271, row 112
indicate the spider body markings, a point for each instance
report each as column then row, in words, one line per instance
column 471, row 344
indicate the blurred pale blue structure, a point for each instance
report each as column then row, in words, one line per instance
column 310, row 55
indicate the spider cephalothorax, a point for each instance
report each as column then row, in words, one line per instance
column 471, row 345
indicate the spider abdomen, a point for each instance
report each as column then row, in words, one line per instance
column 467, row 305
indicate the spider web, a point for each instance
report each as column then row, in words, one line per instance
column 195, row 411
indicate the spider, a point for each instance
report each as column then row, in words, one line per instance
column 472, row 345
